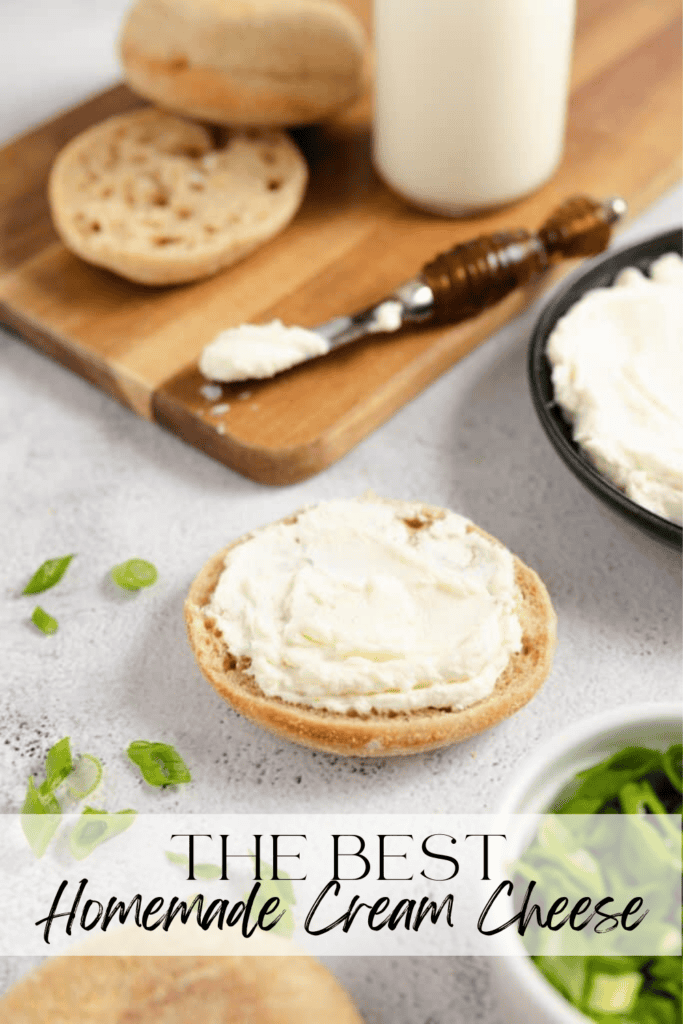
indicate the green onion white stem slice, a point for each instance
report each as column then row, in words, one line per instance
column 85, row 777
column 134, row 574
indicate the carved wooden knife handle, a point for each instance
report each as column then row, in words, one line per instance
column 475, row 275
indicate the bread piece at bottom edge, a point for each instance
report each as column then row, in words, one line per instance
column 174, row 989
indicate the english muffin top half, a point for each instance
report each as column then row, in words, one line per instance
column 244, row 62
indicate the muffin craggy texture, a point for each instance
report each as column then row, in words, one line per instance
column 146, row 195
column 403, row 718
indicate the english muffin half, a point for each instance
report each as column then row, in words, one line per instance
column 178, row 989
column 244, row 62
column 147, row 195
column 371, row 628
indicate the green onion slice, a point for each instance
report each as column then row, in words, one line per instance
column 177, row 858
column 160, row 763
column 283, row 882
column 95, row 827
column 134, row 574
column 672, row 763
column 281, row 889
column 45, row 623
column 205, row 871
column 47, row 575
column 39, row 818
column 85, row 777
column 58, row 765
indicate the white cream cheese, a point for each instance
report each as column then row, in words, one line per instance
column 617, row 360
column 352, row 608
column 388, row 317
column 259, row 350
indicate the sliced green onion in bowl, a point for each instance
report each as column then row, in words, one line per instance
column 625, row 989
column 672, row 764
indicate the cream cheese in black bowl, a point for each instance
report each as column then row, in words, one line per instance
column 600, row 274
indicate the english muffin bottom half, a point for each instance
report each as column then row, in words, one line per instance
column 359, row 728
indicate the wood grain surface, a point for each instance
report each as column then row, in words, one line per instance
column 352, row 243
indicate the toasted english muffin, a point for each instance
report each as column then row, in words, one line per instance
column 244, row 62
column 386, row 731
column 145, row 194
column 176, row 990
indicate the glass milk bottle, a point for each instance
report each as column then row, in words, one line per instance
column 471, row 98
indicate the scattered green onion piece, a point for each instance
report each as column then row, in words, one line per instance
column 177, row 858
column 205, row 871
column 283, row 881
column 38, row 802
column 95, row 827
column 47, row 575
column 281, row 889
column 58, row 764
column 45, row 623
column 134, row 574
column 85, row 777
column 269, row 890
column 39, row 818
column 160, row 763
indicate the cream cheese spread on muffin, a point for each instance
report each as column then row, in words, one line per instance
column 362, row 605
column 617, row 359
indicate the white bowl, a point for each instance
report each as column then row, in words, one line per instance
column 524, row 995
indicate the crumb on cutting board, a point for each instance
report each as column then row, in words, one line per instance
column 211, row 392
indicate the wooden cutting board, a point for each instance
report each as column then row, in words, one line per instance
column 352, row 243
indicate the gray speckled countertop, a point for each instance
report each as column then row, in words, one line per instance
column 80, row 473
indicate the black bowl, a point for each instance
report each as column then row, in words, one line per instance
column 599, row 275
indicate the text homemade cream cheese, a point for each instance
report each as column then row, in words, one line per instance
column 617, row 359
column 362, row 605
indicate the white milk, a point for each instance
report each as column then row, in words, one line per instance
column 471, row 98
